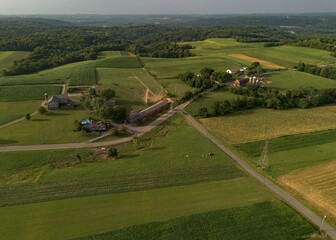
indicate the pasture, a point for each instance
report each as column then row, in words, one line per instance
column 158, row 161
column 10, row 111
column 109, row 54
column 54, row 127
column 278, row 221
column 118, row 62
column 208, row 100
column 20, row 93
column 295, row 80
column 286, row 56
column 316, row 185
column 134, row 87
column 82, row 216
column 176, row 87
column 260, row 124
column 83, row 75
column 170, row 68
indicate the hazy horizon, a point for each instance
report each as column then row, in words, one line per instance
column 143, row 7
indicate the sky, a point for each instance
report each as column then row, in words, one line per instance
column 165, row 6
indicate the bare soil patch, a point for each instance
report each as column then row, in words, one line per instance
column 251, row 59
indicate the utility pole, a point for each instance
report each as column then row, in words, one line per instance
column 263, row 160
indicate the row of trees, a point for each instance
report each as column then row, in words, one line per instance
column 254, row 97
column 327, row 72
column 324, row 43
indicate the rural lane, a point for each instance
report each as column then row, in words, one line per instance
column 298, row 206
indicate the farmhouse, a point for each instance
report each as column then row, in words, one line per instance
column 56, row 102
column 137, row 116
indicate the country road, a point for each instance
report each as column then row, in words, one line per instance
column 286, row 197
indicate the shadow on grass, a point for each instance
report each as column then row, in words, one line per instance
column 57, row 114
column 40, row 120
column 128, row 156
column 3, row 141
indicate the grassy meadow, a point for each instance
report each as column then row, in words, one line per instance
column 134, row 87
column 82, row 216
column 278, row 221
column 295, row 80
column 286, row 56
column 54, row 127
column 20, row 93
column 10, row 111
column 260, row 124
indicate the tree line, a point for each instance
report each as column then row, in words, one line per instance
column 327, row 71
column 251, row 97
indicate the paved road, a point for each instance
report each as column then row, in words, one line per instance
column 298, row 206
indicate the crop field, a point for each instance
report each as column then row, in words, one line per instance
column 8, row 58
column 260, row 124
column 109, row 54
column 278, row 221
column 286, row 56
column 134, row 88
column 83, row 75
column 250, row 59
column 171, row 68
column 82, row 216
column 19, row 93
column 208, row 100
column 54, row 127
column 316, row 185
column 119, row 62
column 10, row 111
column 58, row 174
column 296, row 80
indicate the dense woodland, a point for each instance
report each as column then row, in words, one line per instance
column 323, row 43
column 56, row 43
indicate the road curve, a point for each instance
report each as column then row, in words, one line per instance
column 298, row 206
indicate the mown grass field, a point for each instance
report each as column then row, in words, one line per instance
column 82, row 216
column 171, row 68
column 208, row 100
column 134, row 87
column 295, row 80
column 55, row 127
column 7, row 58
column 108, row 54
column 159, row 161
column 278, row 221
column 20, row 93
column 287, row 56
column 10, row 111
column 259, row 124
column 83, row 75
column 316, row 185
column 175, row 86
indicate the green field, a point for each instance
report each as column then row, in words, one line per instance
column 293, row 152
column 286, row 56
column 108, row 54
column 278, row 221
column 10, row 111
column 55, row 127
column 8, row 58
column 170, row 68
column 82, row 216
column 20, row 93
column 131, row 85
column 208, row 100
column 83, row 75
column 260, row 124
column 58, row 174
column 295, row 80
column 118, row 62
column 175, row 87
